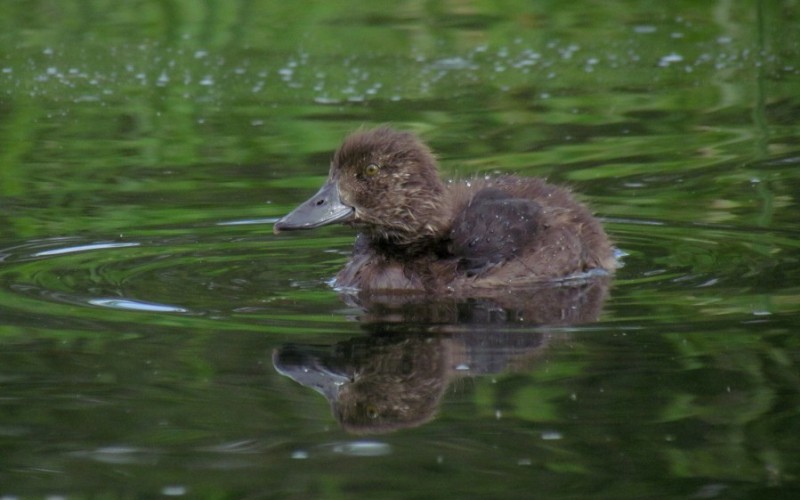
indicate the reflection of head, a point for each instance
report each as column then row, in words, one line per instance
column 374, row 384
column 397, row 386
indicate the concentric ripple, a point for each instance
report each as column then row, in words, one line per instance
column 714, row 269
column 181, row 276
column 276, row 281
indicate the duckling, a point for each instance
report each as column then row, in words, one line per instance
column 416, row 232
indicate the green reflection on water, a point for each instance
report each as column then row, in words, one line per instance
column 175, row 125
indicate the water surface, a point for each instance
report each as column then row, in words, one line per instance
column 158, row 339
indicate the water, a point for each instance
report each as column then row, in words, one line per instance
column 158, row 339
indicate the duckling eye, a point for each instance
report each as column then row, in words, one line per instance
column 371, row 170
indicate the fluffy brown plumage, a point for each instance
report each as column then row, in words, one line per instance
column 416, row 232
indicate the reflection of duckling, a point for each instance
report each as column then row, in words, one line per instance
column 419, row 233
column 382, row 383
column 393, row 379
column 560, row 303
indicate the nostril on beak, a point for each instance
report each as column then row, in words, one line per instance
column 320, row 202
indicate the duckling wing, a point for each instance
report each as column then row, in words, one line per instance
column 494, row 227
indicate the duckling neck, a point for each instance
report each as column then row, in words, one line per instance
column 396, row 247
column 424, row 229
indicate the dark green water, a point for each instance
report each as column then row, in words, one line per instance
column 146, row 308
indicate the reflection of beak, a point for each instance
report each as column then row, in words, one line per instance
column 305, row 368
column 323, row 208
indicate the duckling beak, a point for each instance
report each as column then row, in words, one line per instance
column 323, row 208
